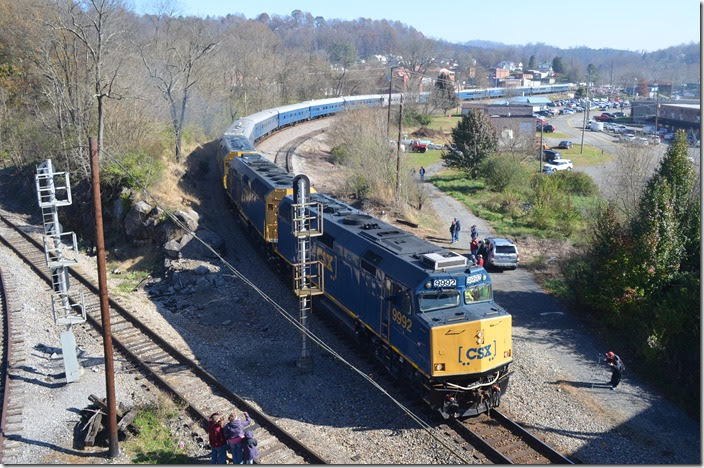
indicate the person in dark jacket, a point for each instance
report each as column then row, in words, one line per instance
column 249, row 448
column 421, row 172
column 234, row 434
column 617, row 368
column 474, row 232
column 453, row 226
column 458, row 228
column 217, row 439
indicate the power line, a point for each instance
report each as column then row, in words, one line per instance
column 424, row 425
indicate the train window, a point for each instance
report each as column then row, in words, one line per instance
column 327, row 239
column 437, row 300
column 406, row 303
column 368, row 267
column 478, row 293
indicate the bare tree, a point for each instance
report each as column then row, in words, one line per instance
column 98, row 26
column 174, row 56
column 632, row 168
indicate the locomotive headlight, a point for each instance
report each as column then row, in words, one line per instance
column 428, row 285
column 480, row 337
column 507, row 353
column 440, row 366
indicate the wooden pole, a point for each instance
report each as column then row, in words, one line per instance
column 388, row 114
column 104, row 308
column 398, row 151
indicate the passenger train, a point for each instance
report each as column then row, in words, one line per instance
column 428, row 314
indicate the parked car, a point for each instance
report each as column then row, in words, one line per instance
column 549, row 155
column 549, row 128
column 603, row 118
column 565, row 144
column 501, row 253
column 627, row 137
column 560, row 164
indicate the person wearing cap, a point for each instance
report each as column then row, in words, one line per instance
column 617, row 368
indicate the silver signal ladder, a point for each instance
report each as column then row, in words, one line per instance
column 307, row 273
column 60, row 252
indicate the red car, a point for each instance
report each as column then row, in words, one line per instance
column 604, row 118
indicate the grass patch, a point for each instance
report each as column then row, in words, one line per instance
column 590, row 157
column 443, row 122
column 504, row 210
column 155, row 444
column 416, row 160
column 558, row 287
column 475, row 196
column 561, row 136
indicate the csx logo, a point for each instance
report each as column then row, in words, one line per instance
column 470, row 354
column 327, row 260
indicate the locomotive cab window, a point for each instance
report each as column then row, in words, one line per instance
column 478, row 293
column 437, row 300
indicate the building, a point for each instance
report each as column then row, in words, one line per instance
column 534, row 103
column 680, row 117
column 672, row 115
column 501, row 73
column 511, row 122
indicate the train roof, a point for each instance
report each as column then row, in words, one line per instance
column 265, row 174
column 236, row 142
column 405, row 257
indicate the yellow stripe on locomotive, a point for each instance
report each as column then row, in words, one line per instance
column 471, row 347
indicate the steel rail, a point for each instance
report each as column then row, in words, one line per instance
column 536, row 444
column 264, row 421
column 7, row 351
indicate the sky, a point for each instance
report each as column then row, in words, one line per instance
column 620, row 24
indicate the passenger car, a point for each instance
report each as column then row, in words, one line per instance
column 501, row 253
column 551, row 154
column 548, row 128
column 560, row 164
column 565, row 144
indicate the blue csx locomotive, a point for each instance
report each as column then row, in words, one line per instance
column 428, row 315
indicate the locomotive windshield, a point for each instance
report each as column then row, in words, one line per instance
column 438, row 300
column 478, row 293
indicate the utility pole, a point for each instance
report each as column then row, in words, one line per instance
column 104, row 308
column 584, row 121
column 657, row 107
column 540, row 164
column 398, row 151
column 388, row 115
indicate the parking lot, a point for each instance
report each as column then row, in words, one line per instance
column 571, row 125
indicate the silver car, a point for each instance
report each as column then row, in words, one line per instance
column 501, row 253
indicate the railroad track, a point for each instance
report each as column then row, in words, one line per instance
column 171, row 369
column 13, row 355
column 283, row 156
column 503, row 441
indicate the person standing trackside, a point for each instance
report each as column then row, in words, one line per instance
column 217, row 439
column 421, row 172
column 617, row 368
column 458, row 228
column 474, row 232
column 249, row 448
column 453, row 226
column 234, row 434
